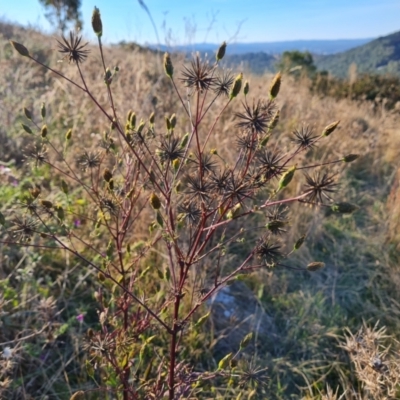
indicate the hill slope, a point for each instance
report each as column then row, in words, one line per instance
column 382, row 55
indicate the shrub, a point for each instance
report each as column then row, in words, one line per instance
column 153, row 208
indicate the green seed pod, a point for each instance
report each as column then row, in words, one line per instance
column 264, row 141
column 60, row 213
column 2, row 219
column 172, row 120
column 234, row 212
column 237, row 85
column 43, row 132
column 107, row 175
column 202, row 320
column 246, row 88
column 315, row 266
column 286, row 178
column 344, row 208
column 299, row 242
column 111, row 184
column 79, row 395
column 330, row 128
column 274, row 121
column 350, row 157
column 132, row 120
column 175, row 164
column 178, row 187
column 159, row 219
column 27, row 129
column 155, row 201
column 46, row 203
column 28, row 114
column 275, row 86
column 184, row 141
column 246, row 341
column 68, row 134
column 97, row 25
column 168, row 67
column 21, row 49
column 64, row 186
column 113, row 124
column 168, row 123
column 141, row 126
column 221, row 51
column 101, row 277
column 225, row 361
column 151, row 118
column 43, row 110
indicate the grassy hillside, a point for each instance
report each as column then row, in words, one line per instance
column 60, row 318
column 378, row 56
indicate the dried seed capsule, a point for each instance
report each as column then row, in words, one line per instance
column 168, row 67
column 26, row 129
column 172, row 120
column 46, row 203
column 350, row 158
column 246, row 341
column 275, row 85
column 43, row 110
column 28, row 114
column 274, row 121
column 299, row 242
column 344, row 208
column 221, row 51
column 107, row 175
column 330, row 128
column 151, row 118
column 246, row 88
column 21, row 49
column 315, row 266
column 97, row 25
column 43, row 132
column 155, row 201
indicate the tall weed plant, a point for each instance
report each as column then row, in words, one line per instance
column 154, row 205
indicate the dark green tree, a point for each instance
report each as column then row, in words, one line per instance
column 297, row 62
column 63, row 12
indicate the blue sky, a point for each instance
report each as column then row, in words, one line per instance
column 189, row 21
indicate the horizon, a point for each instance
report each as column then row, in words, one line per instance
column 213, row 21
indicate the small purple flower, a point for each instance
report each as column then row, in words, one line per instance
column 80, row 318
column 77, row 223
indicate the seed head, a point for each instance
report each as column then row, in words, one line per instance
column 246, row 88
column 350, row 157
column 344, row 208
column 155, row 201
column 286, row 178
column 221, row 51
column 275, row 86
column 107, row 175
column 237, row 85
column 315, row 266
column 43, row 132
column 68, row 134
column 168, row 67
column 21, row 49
column 96, row 22
column 28, row 114
column 73, row 49
column 43, row 110
column 330, row 128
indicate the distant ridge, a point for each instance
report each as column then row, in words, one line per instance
column 274, row 48
column 381, row 55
